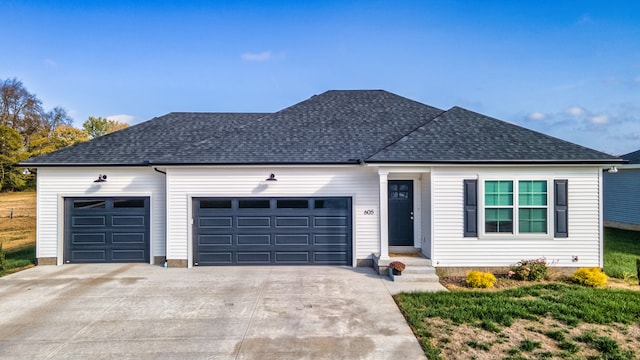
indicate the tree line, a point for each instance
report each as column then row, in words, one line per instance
column 27, row 130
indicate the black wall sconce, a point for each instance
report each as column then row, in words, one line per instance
column 271, row 177
column 101, row 178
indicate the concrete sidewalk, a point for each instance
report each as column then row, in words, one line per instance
column 138, row 311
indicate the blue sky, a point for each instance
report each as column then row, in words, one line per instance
column 570, row 69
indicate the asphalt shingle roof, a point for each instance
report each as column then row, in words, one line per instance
column 632, row 157
column 460, row 135
column 333, row 127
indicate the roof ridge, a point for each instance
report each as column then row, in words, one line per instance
column 406, row 134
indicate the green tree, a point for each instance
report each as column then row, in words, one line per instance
column 98, row 126
column 11, row 152
column 61, row 137
column 23, row 119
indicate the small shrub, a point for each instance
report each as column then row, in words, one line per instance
column 530, row 270
column 479, row 279
column 593, row 277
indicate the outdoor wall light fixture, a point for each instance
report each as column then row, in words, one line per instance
column 613, row 170
column 271, row 177
column 101, row 178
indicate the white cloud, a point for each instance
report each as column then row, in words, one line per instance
column 124, row 118
column 584, row 19
column 263, row 56
column 599, row 119
column 575, row 111
column 50, row 62
column 537, row 116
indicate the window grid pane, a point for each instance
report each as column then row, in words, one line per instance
column 532, row 220
column 499, row 220
column 532, row 193
column 498, row 193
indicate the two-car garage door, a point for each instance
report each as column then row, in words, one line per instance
column 264, row 231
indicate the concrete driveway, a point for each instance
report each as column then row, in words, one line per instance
column 138, row 311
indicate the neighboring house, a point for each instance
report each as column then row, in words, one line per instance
column 622, row 194
column 331, row 180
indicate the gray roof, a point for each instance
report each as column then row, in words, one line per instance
column 335, row 127
column 462, row 136
column 632, row 157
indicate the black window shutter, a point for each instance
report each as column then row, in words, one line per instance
column 561, row 207
column 470, row 208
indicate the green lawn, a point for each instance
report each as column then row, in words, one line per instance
column 621, row 249
column 529, row 322
column 541, row 321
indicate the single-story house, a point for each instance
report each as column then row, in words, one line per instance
column 333, row 179
column 622, row 194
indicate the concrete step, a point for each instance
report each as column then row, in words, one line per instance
column 411, row 277
column 415, row 269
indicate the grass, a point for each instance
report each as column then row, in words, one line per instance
column 18, row 233
column 533, row 321
column 544, row 321
column 621, row 249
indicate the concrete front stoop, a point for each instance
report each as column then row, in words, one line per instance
column 418, row 269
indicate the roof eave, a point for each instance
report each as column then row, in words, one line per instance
column 502, row 162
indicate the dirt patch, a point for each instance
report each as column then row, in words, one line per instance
column 470, row 342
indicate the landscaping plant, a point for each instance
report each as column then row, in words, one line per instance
column 479, row 279
column 530, row 270
column 593, row 277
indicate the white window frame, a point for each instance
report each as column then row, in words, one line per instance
column 482, row 234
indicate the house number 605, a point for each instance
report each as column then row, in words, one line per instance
column 369, row 212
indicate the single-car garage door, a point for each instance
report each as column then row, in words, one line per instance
column 264, row 231
column 106, row 230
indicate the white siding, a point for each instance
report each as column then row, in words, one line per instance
column 184, row 183
column 54, row 184
column 450, row 248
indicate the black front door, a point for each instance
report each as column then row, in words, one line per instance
column 401, row 213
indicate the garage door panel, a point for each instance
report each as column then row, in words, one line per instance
column 292, row 239
column 128, row 238
column 217, row 258
column 214, row 240
column 257, row 239
column 225, row 222
column 272, row 231
column 127, row 255
column 89, row 221
column 292, row 257
column 333, row 221
column 254, row 258
column 329, row 258
column 127, row 220
column 89, row 255
column 254, row 222
column 106, row 230
column 290, row 221
column 89, row 238
column 331, row 239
